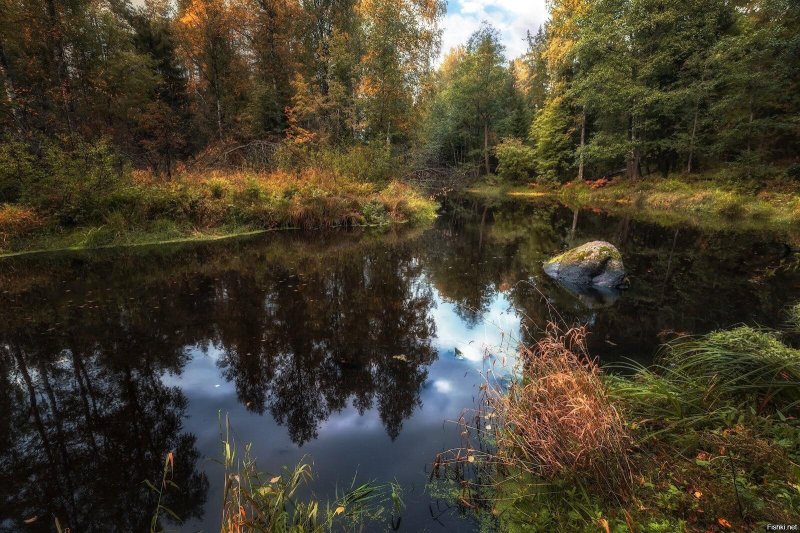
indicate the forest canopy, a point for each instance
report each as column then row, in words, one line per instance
column 607, row 87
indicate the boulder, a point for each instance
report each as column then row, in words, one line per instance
column 595, row 264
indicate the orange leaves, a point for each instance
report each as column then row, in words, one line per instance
column 724, row 523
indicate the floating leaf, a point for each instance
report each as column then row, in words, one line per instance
column 471, row 458
column 697, row 494
column 339, row 510
column 31, row 520
column 275, row 479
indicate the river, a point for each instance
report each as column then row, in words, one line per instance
column 355, row 349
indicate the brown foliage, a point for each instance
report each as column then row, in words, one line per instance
column 559, row 421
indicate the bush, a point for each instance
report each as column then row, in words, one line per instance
column 365, row 163
column 17, row 166
column 516, row 160
column 218, row 188
column 16, row 220
column 375, row 213
column 793, row 172
column 72, row 180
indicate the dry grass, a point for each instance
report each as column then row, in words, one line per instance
column 17, row 220
column 559, row 422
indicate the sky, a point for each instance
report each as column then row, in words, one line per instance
column 513, row 18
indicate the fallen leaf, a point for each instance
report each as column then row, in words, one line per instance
column 471, row 458
column 697, row 494
column 339, row 510
column 275, row 479
column 724, row 523
column 31, row 520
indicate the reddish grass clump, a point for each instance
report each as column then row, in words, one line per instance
column 16, row 220
column 559, row 421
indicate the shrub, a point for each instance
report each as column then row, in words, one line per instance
column 516, row 160
column 793, row 172
column 218, row 188
column 17, row 220
column 17, row 166
column 73, row 180
column 794, row 317
column 374, row 213
column 365, row 163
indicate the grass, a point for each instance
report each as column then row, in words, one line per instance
column 699, row 201
column 707, row 439
column 254, row 500
column 146, row 210
column 559, row 421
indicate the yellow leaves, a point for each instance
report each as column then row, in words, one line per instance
column 471, row 458
column 339, row 510
column 605, row 525
column 697, row 494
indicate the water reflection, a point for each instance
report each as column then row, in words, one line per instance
column 353, row 347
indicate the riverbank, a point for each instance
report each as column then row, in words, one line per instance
column 669, row 201
column 706, row 439
column 143, row 210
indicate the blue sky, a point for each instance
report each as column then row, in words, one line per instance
column 512, row 17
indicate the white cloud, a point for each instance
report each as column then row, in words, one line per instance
column 512, row 18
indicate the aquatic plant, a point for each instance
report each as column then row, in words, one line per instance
column 254, row 500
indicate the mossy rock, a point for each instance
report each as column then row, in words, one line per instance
column 596, row 263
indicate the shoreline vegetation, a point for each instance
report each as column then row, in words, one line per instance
column 698, row 201
column 705, row 439
column 86, row 198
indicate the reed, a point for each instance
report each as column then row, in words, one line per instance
column 254, row 500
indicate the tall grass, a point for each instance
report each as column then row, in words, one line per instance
column 559, row 421
column 254, row 500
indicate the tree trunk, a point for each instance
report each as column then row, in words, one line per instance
column 10, row 91
column 486, row 146
column 60, row 59
column 691, row 139
column 583, row 143
column 634, row 158
column 219, row 118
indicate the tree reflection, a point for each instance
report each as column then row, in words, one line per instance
column 303, row 332
column 303, row 341
column 85, row 432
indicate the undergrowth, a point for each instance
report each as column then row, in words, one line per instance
column 699, row 201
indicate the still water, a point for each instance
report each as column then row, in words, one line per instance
column 354, row 349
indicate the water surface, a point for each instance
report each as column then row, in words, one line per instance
column 351, row 348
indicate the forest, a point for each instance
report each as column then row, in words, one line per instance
column 129, row 115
